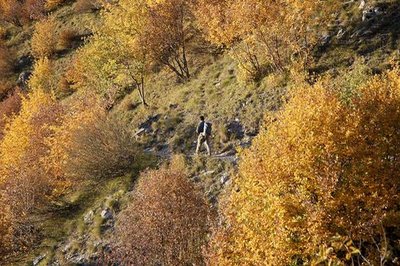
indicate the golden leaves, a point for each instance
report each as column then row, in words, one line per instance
column 326, row 168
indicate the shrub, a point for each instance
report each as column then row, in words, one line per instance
column 7, row 62
column 44, row 39
column 322, row 183
column 92, row 144
column 43, row 75
column 8, row 107
column 24, row 182
column 165, row 223
column 11, row 11
column 67, row 39
column 83, row 6
column 34, row 9
column 5, row 226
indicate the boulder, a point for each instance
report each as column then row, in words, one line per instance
column 225, row 178
column 106, row 214
column 235, row 129
column 146, row 125
column 38, row 259
column 23, row 79
column 88, row 218
column 24, row 62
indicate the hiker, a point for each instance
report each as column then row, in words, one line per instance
column 204, row 134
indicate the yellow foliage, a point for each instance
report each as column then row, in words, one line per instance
column 43, row 76
column 263, row 34
column 24, row 182
column 325, row 170
column 90, row 143
column 44, row 39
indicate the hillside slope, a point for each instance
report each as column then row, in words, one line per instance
column 76, row 229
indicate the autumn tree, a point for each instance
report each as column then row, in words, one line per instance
column 114, row 59
column 321, row 184
column 134, row 37
column 262, row 34
column 167, row 34
column 43, row 75
column 8, row 107
column 11, row 11
column 7, row 65
column 24, row 182
column 44, row 39
column 165, row 223
column 90, row 143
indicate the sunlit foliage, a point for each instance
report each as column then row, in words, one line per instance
column 43, row 75
column 24, row 182
column 265, row 35
column 8, row 107
column 44, row 39
column 91, row 143
column 320, row 183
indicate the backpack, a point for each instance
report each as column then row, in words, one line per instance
column 208, row 128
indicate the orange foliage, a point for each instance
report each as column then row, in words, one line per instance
column 265, row 33
column 165, row 223
column 11, row 11
column 11, row 105
column 166, row 34
column 24, row 182
column 82, row 6
column 324, row 172
column 91, row 143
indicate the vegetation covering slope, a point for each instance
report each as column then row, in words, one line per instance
column 303, row 97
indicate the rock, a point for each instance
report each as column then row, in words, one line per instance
column 88, row 218
column 140, row 132
column 235, row 129
column 107, row 214
column 325, row 39
column 226, row 154
column 24, row 62
column 38, row 259
column 66, row 248
column 79, row 259
column 146, row 125
column 225, row 178
column 207, row 173
column 246, row 142
column 371, row 13
column 23, row 79
column 362, row 4
column 340, row 34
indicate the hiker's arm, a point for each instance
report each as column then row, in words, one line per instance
column 198, row 128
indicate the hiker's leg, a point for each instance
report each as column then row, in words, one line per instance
column 199, row 142
column 207, row 144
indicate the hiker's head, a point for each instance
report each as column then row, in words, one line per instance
column 202, row 118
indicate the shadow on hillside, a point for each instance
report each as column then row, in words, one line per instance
column 375, row 33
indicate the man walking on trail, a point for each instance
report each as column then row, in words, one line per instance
column 204, row 132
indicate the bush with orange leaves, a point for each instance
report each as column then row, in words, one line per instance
column 11, row 11
column 321, row 184
column 7, row 63
column 24, row 182
column 11, row 105
column 44, row 39
column 165, row 223
column 91, row 143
